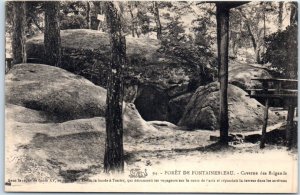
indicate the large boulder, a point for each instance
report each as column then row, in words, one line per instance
column 25, row 115
column 146, row 65
column 245, row 113
column 28, row 122
column 38, row 148
column 134, row 124
column 240, row 74
column 52, row 94
column 55, row 91
column 90, row 56
column 177, row 107
column 95, row 41
column 42, row 145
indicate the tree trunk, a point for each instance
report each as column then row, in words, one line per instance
column 157, row 20
column 265, row 124
column 290, row 126
column 254, row 44
column 234, row 42
column 137, row 32
column 252, row 38
column 280, row 11
column 95, row 23
column 222, row 37
column 52, row 33
column 132, row 20
column 257, row 56
column 88, row 14
column 114, row 157
column 294, row 13
column 233, row 48
column 98, row 7
column 18, row 35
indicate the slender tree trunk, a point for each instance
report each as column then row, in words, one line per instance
column 263, row 40
column 254, row 43
column 257, row 55
column 280, row 11
column 95, row 23
column 88, row 14
column 294, row 13
column 252, row 38
column 18, row 35
column 291, row 65
column 137, row 31
column 223, row 41
column 233, row 42
column 157, row 20
column 132, row 20
column 290, row 125
column 114, row 157
column 98, row 7
column 52, row 40
column 265, row 124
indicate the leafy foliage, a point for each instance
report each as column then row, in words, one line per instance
column 249, row 24
column 194, row 52
column 72, row 22
column 282, row 51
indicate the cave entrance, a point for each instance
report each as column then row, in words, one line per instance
column 152, row 103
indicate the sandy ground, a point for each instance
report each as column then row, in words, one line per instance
column 45, row 151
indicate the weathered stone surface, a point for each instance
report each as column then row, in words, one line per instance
column 25, row 115
column 245, row 113
column 177, row 107
column 48, row 149
column 130, row 92
column 89, row 57
column 54, row 91
column 240, row 74
column 42, row 93
column 134, row 124
column 27, row 121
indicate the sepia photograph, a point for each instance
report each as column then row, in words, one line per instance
column 151, row 96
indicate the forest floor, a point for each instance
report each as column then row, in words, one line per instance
column 77, row 156
column 175, row 148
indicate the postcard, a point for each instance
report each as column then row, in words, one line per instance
column 151, row 96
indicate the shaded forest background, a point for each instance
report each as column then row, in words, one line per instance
column 186, row 31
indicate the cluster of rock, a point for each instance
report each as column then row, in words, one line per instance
column 159, row 88
column 58, row 96
column 55, row 123
column 152, row 81
column 50, row 112
column 63, row 96
column 202, row 111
